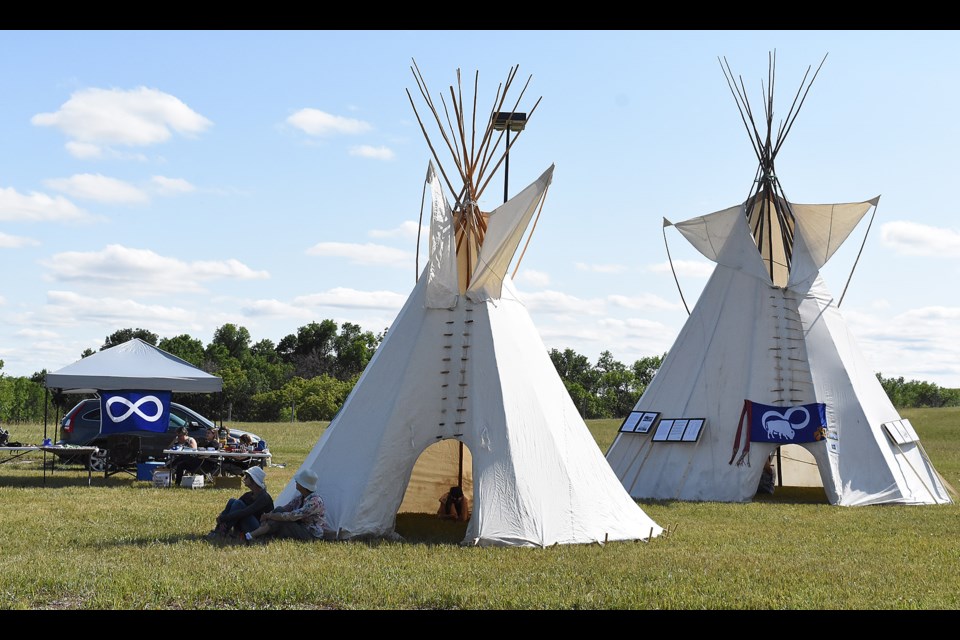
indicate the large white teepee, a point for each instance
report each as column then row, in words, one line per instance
column 462, row 391
column 766, row 362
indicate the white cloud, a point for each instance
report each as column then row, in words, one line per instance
column 171, row 186
column 15, row 242
column 364, row 254
column 72, row 308
column 42, row 334
column 39, row 207
column 84, row 150
column 377, row 153
column 644, row 302
column 688, row 268
column 319, row 123
column 406, row 230
column 141, row 271
column 601, row 268
column 918, row 344
column 93, row 118
column 559, row 302
column 100, row 188
column 533, row 278
column 275, row 308
column 913, row 239
column 353, row 299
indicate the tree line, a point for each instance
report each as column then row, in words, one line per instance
column 308, row 375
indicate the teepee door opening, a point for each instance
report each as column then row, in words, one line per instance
column 794, row 466
column 442, row 465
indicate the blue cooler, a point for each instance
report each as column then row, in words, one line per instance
column 145, row 470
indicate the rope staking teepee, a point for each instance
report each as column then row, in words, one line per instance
column 768, row 212
column 471, row 158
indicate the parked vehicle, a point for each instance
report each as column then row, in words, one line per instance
column 81, row 426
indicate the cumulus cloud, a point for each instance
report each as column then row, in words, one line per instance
column 643, row 302
column 113, row 311
column 319, row 123
column 276, row 309
column 39, row 207
column 96, row 118
column 141, row 271
column 533, row 278
column 913, row 239
column 559, row 302
column 406, row 230
column 100, row 188
column 367, row 254
column 689, row 268
column 163, row 185
column 41, row 334
column 353, row 299
column 8, row 241
column 377, row 153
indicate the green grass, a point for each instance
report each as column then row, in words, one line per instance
column 123, row 544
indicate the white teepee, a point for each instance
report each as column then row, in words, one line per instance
column 765, row 361
column 463, row 363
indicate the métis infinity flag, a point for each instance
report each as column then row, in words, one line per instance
column 134, row 411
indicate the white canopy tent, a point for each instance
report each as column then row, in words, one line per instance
column 134, row 364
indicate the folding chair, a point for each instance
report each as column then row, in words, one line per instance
column 123, row 454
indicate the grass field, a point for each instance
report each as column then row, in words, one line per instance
column 124, row 545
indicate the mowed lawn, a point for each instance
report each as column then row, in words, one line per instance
column 123, row 544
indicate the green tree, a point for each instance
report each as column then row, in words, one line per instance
column 236, row 340
column 354, row 348
column 311, row 350
column 125, row 335
column 616, row 387
column 644, row 370
column 184, row 347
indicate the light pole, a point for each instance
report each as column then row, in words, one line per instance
column 508, row 121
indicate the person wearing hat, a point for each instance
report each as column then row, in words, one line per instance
column 243, row 514
column 303, row 518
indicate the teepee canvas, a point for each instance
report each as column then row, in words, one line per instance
column 765, row 363
column 462, row 392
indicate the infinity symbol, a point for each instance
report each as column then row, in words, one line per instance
column 135, row 408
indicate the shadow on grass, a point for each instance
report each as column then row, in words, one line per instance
column 794, row 495
column 427, row 528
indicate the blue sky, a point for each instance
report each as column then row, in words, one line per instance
column 180, row 180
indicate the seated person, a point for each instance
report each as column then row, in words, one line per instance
column 303, row 518
column 454, row 505
column 236, row 466
column 766, row 477
column 183, row 439
column 243, row 514
column 245, row 443
column 195, row 464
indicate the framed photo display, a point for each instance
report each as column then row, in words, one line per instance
column 679, row 430
column 639, row 421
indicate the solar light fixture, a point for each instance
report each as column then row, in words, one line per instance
column 508, row 121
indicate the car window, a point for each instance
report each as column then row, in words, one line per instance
column 176, row 421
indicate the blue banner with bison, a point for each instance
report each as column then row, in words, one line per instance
column 781, row 425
